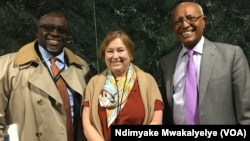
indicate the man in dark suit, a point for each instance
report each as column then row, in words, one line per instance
column 221, row 71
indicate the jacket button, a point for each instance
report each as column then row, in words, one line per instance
column 38, row 134
column 40, row 102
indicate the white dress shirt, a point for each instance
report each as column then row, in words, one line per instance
column 179, row 80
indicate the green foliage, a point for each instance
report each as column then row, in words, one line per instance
column 147, row 22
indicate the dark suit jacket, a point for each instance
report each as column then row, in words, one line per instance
column 224, row 85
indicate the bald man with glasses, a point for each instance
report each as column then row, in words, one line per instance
column 219, row 91
column 31, row 96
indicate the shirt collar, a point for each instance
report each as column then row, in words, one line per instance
column 198, row 48
column 46, row 55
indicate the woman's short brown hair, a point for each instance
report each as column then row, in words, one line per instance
column 113, row 35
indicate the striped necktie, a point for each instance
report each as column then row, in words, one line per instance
column 61, row 86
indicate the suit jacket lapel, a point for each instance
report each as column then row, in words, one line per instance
column 208, row 59
column 170, row 74
column 72, row 78
column 41, row 79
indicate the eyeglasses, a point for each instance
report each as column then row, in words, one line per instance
column 189, row 19
column 51, row 28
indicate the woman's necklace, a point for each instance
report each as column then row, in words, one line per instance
column 120, row 101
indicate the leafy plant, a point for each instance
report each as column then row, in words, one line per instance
column 147, row 22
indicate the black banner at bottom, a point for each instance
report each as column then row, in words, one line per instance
column 195, row 132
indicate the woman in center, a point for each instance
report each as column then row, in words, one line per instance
column 121, row 94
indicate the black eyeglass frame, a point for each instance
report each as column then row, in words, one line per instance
column 189, row 19
column 50, row 28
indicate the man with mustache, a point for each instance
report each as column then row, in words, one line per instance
column 221, row 82
column 28, row 87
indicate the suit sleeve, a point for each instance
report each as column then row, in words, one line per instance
column 241, row 86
